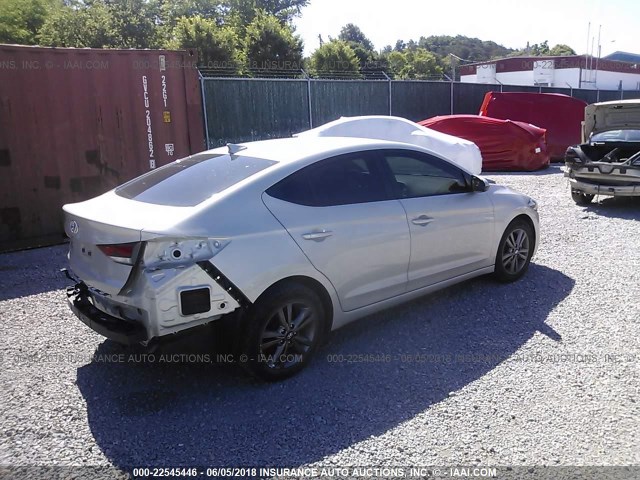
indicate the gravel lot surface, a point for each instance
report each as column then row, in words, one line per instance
column 543, row 371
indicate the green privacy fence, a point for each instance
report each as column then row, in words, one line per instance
column 331, row 99
column 247, row 109
column 241, row 110
column 417, row 100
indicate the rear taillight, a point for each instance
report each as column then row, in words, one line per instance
column 121, row 252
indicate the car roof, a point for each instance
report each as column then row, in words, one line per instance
column 298, row 149
column 629, row 101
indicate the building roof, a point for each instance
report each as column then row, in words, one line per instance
column 518, row 64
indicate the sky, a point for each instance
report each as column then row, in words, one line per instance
column 509, row 23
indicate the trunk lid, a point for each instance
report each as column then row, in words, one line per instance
column 111, row 220
column 618, row 115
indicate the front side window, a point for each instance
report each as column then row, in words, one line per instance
column 342, row 180
column 192, row 180
column 418, row 174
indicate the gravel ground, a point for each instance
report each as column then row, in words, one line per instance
column 540, row 372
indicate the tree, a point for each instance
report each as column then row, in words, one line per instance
column 172, row 10
column 561, row 50
column 400, row 45
column 78, row 26
column 217, row 46
column 414, row 64
column 334, row 58
column 538, row 50
column 21, row 20
column 543, row 49
column 396, row 62
column 361, row 45
column 270, row 44
column 464, row 47
column 422, row 64
column 134, row 22
column 351, row 33
column 103, row 23
column 242, row 12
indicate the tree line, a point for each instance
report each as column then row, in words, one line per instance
column 239, row 37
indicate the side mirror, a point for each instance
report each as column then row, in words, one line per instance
column 478, row 184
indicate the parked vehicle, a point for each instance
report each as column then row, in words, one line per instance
column 560, row 115
column 292, row 238
column 457, row 150
column 608, row 162
column 505, row 145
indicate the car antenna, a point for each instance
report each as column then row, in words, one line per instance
column 235, row 148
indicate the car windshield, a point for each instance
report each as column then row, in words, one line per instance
column 192, row 180
column 617, row 136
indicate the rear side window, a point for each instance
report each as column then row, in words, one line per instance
column 342, row 180
column 190, row 181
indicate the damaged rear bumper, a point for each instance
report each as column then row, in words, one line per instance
column 116, row 329
column 597, row 189
column 162, row 303
column 598, row 178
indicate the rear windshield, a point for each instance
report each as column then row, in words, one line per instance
column 190, row 181
column 617, row 136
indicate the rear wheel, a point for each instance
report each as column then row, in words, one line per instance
column 581, row 198
column 283, row 330
column 514, row 251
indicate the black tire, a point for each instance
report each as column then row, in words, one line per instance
column 581, row 198
column 273, row 347
column 514, row 251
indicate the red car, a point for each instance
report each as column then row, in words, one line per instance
column 559, row 114
column 504, row 144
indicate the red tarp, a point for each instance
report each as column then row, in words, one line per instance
column 559, row 114
column 505, row 145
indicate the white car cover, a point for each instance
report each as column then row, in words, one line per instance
column 462, row 152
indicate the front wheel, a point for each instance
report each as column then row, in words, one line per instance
column 514, row 251
column 283, row 330
column 581, row 198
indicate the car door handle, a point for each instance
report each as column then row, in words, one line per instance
column 317, row 236
column 422, row 220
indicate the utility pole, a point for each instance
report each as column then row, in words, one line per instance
column 598, row 57
column 454, row 59
column 586, row 57
column 453, row 67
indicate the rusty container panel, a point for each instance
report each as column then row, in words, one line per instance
column 75, row 123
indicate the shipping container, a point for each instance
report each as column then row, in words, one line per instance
column 75, row 123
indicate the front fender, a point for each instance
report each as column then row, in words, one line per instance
column 508, row 205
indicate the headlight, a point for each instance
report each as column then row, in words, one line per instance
column 533, row 204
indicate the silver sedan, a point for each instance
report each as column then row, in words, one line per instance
column 288, row 238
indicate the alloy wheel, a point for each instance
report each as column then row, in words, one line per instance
column 516, row 251
column 288, row 335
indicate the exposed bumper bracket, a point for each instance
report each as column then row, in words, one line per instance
column 116, row 329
